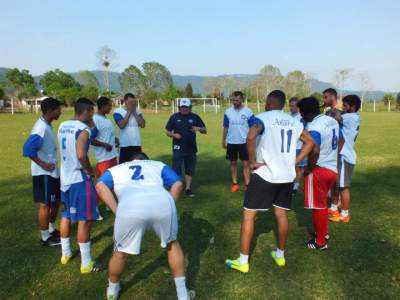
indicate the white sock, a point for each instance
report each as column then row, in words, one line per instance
column 243, row 259
column 296, row 185
column 334, row 207
column 181, row 290
column 86, row 258
column 66, row 247
column 45, row 235
column 280, row 253
column 52, row 227
column 113, row 288
column 344, row 213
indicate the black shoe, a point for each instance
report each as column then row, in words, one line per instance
column 55, row 233
column 51, row 242
column 311, row 244
column 189, row 193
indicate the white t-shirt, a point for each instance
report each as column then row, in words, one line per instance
column 130, row 135
column 325, row 132
column 105, row 134
column 350, row 130
column 237, row 122
column 277, row 146
column 71, row 169
column 298, row 117
column 138, row 182
column 42, row 143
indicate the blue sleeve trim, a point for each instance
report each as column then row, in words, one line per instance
column 341, row 137
column 226, row 121
column 94, row 133
column 303, row 122
column 256, row 121
column 316, row 136
column 32, row 145
column 107, row 179
column 117, row 117
column 77, row 133
column 169, row 176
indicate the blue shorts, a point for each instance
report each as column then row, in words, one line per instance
column 302, row 163
column 80, row 202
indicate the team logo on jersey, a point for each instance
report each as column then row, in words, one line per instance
column 179, row 120
column 190, row 121
column 72, row 210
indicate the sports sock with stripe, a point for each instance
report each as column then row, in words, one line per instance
column 181, row 290
column 344, row 212
column 243, row 259
column 66, row 246
column 45, row 235
column 113, row 288
column 320, row 222
column 86, row 257
column 52, row 227
column 280, row 253
column 334, row 207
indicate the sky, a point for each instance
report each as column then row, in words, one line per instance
column 208, row 37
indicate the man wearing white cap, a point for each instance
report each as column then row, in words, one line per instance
column 182, row 127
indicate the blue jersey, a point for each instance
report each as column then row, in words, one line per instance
column 237, row 123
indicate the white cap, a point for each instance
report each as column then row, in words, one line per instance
column 185, row 102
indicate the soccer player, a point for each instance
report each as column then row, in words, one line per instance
column 321, row 171
column 143, row 203
column 332, row 106
column 104, row 143
column 41, row 148
column 347, row 158
column 182, row 128
column 273, row 175
column 77, row 190
column 236, row 127
column 129, row 120
column 294, row 112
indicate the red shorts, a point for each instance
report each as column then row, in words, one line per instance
column 316, row 187
column 101, row 167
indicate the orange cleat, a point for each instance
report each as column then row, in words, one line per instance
column 235, row 188
column 339, row 218
column 333, row 212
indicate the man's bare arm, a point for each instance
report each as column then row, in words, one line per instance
column 106, row 195
column 82, row 153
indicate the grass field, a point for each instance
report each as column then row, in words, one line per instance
column 363, row 260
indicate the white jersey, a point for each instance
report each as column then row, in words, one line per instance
column 71, row 169
column 130, row 135
column 237, row 122
column 106, row 135
column 137, row 182
column 42, row 143
column 277, row 146
column 325, row 132
column 298, row 117
column 350, row 129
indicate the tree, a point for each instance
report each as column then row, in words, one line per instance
column 388, row 98
column 188, row 90
column 87, row 78
column 341, row 76
column 365, row 84
column 22, row 83
column 158, row 77
column 172, row 93
column 132, row 80
column 319, row 97
column 106, row 59
column 2, row 94
column 270, row 78
column 295, row 84
column 397, row 101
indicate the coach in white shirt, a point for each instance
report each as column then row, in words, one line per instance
column 129, row 120
column 236, row 127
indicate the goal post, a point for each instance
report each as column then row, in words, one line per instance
column 202, row 104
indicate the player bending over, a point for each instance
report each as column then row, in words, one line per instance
column 77, row 189
column 41, row 148
column 321, row 171
column 273, row 175
column 347, row 158
column 143, row 203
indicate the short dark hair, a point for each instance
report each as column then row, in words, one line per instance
column 139, row 156
column 353, row 100
column 102, row 101
column 82, row 105
column 331, row 91
column 294, row 99
column 279, row 96
column 308, row 105
column 129, row 95
column 49, row 104
column 238, row 94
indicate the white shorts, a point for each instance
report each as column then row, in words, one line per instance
column 129, row 229
column 345, row 173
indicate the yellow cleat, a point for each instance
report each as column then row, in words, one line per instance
column 281, row 262
column 235, row 264
column 91, row 268
column 65, row 259
column 339, row 218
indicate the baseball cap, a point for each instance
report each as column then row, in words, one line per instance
column 185, row 102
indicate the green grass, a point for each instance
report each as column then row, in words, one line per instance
column 363, row 260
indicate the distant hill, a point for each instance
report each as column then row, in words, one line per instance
column 197, row 82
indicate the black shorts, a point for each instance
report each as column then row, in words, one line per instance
column 262, row 195
column 125, row 153
column 233, row 151
column 46, row 189
column 188, row 159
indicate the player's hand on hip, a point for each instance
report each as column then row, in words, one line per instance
column 177, row 136
column 256, row 165
column 108, row 147
column 224, row 145
column 49, row 167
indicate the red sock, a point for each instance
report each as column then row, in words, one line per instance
column 320, row 222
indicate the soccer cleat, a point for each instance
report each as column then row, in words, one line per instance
column 332, row 212
column 52, row 241
column 55, row 233
column 235, row 264
column 65, row 259
column 311, row 244
column 191, row 294
column 235, row 188
column 339, row 218
column 280, row 261
column 113, row 296
column 91, row 268
column 189, row 193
